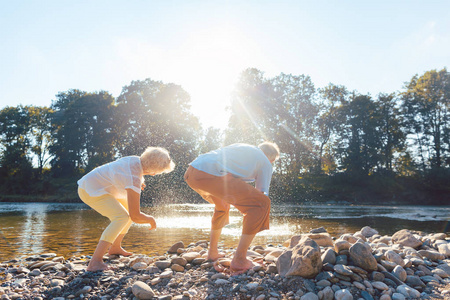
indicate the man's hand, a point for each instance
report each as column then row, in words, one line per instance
column 143, row 186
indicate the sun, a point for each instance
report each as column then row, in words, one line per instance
column 212, row 60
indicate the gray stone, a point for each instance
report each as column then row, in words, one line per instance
column 361, row 254
column 398, row 296
column 190, row 256
column 444, row 249
column 380, row 285
column 221, row 281
column 366, row 295
column 394, row 257
column 432, row 255
column 322, row 239
column 329, row 256
column 400, row 273
column 341, row 245
column 343, row 295
column 162, row 264
column 318, row 230
column 414, row 281
column 327, row 293
column 179, row 261
column 407, row 291
column 343, row 270
column 368, row 231
column 142, row 291
column 406, row 238
column 175, row 247
column 303, row 260
column 309, row 296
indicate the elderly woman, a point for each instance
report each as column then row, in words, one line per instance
column 114, row 190
column 220, row 177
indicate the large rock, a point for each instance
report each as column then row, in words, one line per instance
column 322, row 239
column 406, row 238
column 368, row 232
column 444, row 249
column 400, row 273
column 394, row 257
column 361, row 254
column 302, row 260
column 343, row 295
column 190, row 256
column 329, row 256
column 341, row 245
column 142, row 291
column 408, row 292
column 432, row 255
column 175, row 247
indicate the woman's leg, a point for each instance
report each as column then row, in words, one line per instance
column 111, row 208
column 116, row 247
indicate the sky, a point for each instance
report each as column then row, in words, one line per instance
column 52, row 46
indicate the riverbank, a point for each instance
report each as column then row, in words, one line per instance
column 361, row 265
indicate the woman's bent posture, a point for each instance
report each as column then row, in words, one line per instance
column 114, row 191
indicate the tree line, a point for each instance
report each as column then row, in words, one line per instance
column 336, row 144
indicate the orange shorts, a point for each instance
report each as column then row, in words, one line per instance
column 223, row 191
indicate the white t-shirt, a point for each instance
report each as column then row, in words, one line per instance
column 114, row 178
column 244, row 161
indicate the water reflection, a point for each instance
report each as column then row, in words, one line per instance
column 74, row 229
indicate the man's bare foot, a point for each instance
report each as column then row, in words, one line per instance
column 119, row 251
column 239, row 266
column 95, row 266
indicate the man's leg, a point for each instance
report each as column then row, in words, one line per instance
column 240, row 263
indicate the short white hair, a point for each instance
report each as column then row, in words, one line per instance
column 156, row 159
column 271, row 150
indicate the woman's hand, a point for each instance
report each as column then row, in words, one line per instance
column 152, row 222
column 143, row 186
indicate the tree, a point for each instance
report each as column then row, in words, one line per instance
column 41, row 134
column 332, row 98
column 359, row 140
column 152, row 113
column 84, row 127
column 426, row 107
column 252, row 108
column 392, row 136
column 15, row 164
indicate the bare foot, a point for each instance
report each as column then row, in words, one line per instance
column 239, row 266
column 213, row 256
column 95, row 266
column 221, row 268
column 119, row 251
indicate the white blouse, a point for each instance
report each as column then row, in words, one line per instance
column 114, row 178
column 246, row 162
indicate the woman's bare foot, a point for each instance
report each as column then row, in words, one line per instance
column 119, row 251
column 215, row 255
column 95, row 266
column 239, row 266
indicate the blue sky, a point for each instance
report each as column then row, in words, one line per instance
column 369, row 46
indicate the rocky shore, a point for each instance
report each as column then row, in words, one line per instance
column 311, row 266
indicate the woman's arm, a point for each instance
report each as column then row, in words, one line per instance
column 134, row 208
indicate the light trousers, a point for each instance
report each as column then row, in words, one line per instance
column 116, row 210
column 223, row 191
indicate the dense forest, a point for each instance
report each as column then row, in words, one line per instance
column 337, row 145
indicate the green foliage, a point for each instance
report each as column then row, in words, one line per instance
column 336, row 145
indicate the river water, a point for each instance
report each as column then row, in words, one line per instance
column 73, row 229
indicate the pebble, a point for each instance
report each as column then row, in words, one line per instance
column 402, row 273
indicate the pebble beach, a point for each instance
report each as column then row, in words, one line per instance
column 310, row 266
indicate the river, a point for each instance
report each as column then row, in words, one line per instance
column 73, row 229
